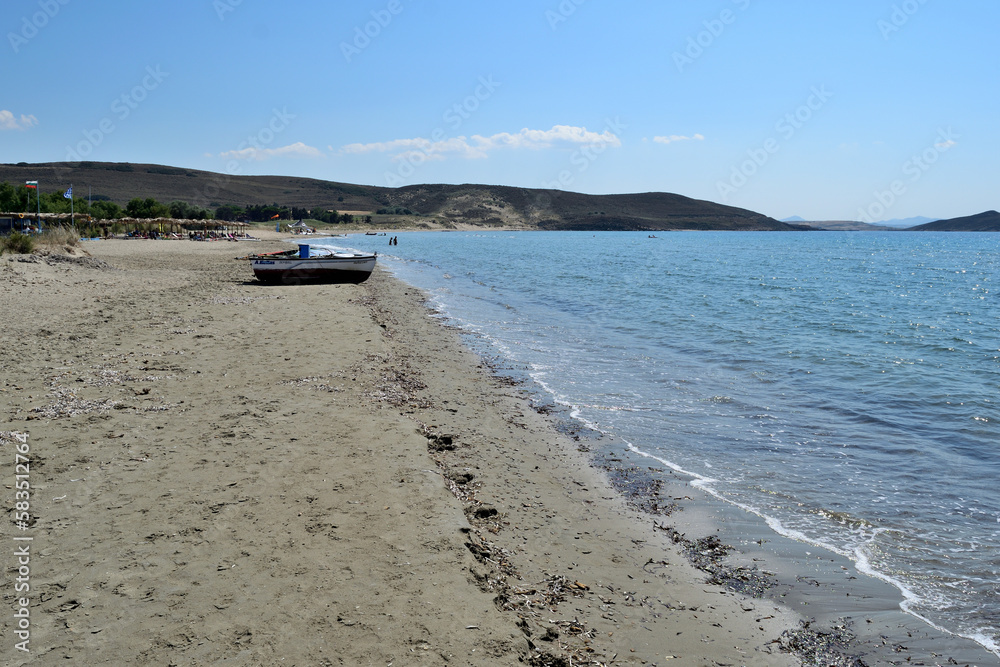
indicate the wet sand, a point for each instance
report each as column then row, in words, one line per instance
column 229, row 473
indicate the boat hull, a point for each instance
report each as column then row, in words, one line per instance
column 290, row 271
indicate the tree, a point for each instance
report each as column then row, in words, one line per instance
column 184, row 210
column 106, row 210
column 10, row 201
column 229, row 213
column 146, row 208
column 178, row 209
column 55, row 202
column 323, row 215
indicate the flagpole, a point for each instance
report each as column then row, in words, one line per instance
column 72, row 220
column 38, row 206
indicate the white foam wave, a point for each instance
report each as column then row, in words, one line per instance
column 859, row 555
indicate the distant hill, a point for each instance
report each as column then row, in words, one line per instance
column 906, row 223
column 479, row 205
column 556, row 209
column 846, row 226
column 988, row 221
column 855, row 226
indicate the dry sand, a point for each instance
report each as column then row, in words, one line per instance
column 227, row 473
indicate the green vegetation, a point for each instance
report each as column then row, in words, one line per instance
column 329, row 217
column 255, row 212
column 16, row 199
column 146, row 208
column 184, row 211
column 169, row 171
column 57, row 237
column 106, row 210
column 17, row 243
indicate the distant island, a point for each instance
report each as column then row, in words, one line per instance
column 988, row 221
column 855, row 225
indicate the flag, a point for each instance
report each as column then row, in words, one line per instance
column 33, row 185
column 69, row 193
column 275, row 216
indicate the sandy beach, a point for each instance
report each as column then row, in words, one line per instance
column 223, row 472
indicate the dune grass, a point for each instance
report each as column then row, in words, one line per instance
column 54, row 238
column 58, row 237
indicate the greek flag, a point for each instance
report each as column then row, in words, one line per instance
column 69, row 193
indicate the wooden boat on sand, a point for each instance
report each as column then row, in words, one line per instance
column 312, row 264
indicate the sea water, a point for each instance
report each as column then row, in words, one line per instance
column 842, row 385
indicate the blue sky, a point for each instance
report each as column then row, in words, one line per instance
column 859, row 109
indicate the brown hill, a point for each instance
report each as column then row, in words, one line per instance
column 988, row 221
column 484, row 205
column 556, row 209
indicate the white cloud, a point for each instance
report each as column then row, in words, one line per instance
column 478, row 146
column 558, row 135
column 8, row 121
column 677, row 137
column 431, row 149
column 945, row 145
column 298, row 149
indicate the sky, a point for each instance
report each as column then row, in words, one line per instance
column 851, row 110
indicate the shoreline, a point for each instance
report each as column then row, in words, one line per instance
column 823, row 587
column 313, row 473
column 820, row 584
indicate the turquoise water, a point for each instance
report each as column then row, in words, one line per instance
column 844, row 386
